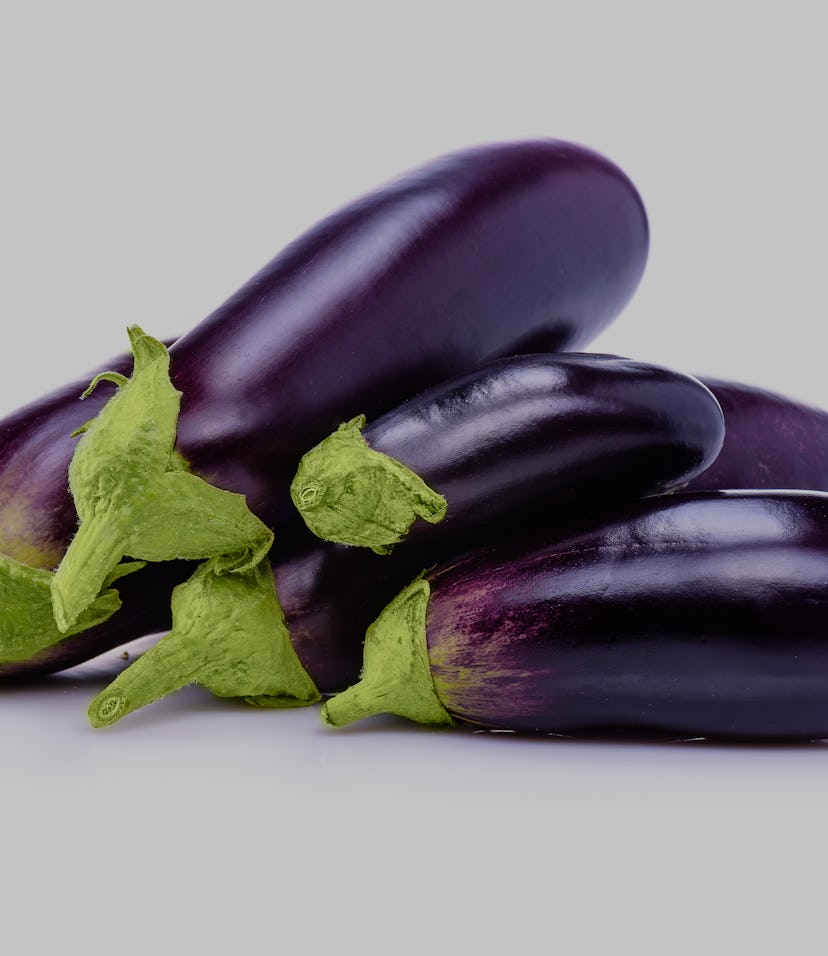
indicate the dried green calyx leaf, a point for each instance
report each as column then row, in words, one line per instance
column 229, row 635
column 134, row 496
column 27, row 625
column 396, row 675
column 349, row 493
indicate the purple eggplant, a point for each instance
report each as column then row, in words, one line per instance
column 695, row 615
column 503, row 248
column 521, row 438
column 521, row 432
column 496, row 250
column 535, row 438
column 770, row 442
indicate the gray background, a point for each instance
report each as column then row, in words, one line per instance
column 153, row 157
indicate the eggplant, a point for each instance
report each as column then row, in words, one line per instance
column 771, row 442
column 517, row 442
column 694, row 615
column 519, row 432
column 493, row 250
column 498, row 249
column 580, row 427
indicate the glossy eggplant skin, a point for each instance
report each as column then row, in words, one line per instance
column 523, row 440
column 698, row 615
column 770, row 442
column 560, row 430
column 497, row 249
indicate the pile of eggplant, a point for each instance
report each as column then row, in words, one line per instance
column 385, row 475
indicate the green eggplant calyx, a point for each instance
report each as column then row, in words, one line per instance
column 134, row 496
column 228, row 635
column 396, row 675
column 351, row 494
column 27, row 625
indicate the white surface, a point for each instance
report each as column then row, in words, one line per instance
column 154, row 156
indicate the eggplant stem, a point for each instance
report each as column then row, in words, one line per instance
column 134, row 496
column 27, row 625
column 229, row 635
column 91, row 558
column 349, row 493
column 396, row 676
column 164, row 668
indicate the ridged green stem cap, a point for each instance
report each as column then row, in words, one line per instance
column 134, row 496
column 27, row 625
column 351, row 494
column 229, row 635
column 396, row 676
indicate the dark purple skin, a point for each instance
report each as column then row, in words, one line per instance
column 696, row 615
column 508, row 445
column 770, row 442
column 494, row 250
column 555, row 430
column 523, row 441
